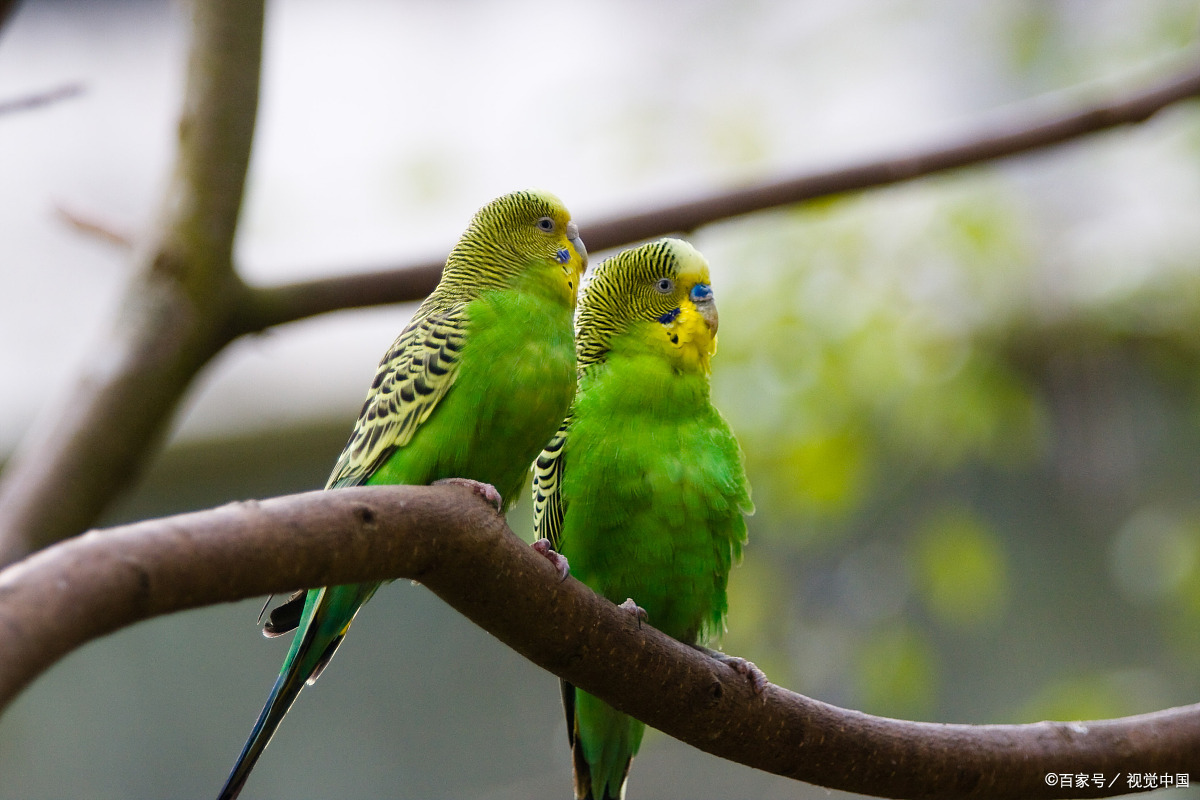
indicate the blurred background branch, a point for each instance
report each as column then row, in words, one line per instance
column 91, row 225
column 175, row 313
column 456, row 544
column 6, row 9
column 38, row 99
column 1026, row 131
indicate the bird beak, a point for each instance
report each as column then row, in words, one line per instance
column 701, row 295
column 708, row 311
column 577, row 243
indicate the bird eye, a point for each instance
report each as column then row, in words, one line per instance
column 546, row 224
column 665, row 286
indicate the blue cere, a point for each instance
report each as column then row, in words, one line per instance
column 669, row 317
column 700, row 292
column 563, row 255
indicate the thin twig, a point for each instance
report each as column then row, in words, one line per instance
column 41, row 98
column 91, row 226
column 458, row 547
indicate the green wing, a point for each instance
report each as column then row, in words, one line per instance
column 408, row 384
column 413, row 376
column 548, row 505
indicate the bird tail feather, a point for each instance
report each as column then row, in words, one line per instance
column 327, row 615
column 603, row 744
column 283, row 694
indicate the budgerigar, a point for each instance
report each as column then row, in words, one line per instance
column 643, row 488
column 473, row 388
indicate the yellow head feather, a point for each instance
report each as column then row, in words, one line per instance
column 525, row 237
column 663, row 289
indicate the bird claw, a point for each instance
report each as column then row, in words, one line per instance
column 484, row 490
column 747, row 669
column 559, row 561
column 638, row 612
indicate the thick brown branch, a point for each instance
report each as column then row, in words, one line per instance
column 458, row 547
column 176, row 311
column 1030, row 132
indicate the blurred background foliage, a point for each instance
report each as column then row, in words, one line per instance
column 970, row 405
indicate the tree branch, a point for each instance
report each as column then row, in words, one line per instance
column 7, row 7
column 38, row 99
column 269, row 306
column 175, row 314
column 91, row 225
column 456, row 545
column 1030, row 131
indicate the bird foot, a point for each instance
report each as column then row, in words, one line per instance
column 747, row 669
column 638, row 612
column 559, row 561
column 484, row 490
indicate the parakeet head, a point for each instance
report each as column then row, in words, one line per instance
column 525, row 239
column 661, row 293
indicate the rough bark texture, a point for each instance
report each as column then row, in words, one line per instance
column 457, row 545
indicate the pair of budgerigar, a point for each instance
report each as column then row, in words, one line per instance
column 639, row 483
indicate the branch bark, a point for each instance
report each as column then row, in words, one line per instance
column 176, row 313
column 1029, row 131
column 458, row 547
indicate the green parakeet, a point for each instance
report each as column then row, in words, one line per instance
column 473, row 388
column 643, row 488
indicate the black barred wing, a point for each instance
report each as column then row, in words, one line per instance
column 412, row 378
column 547, row 489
